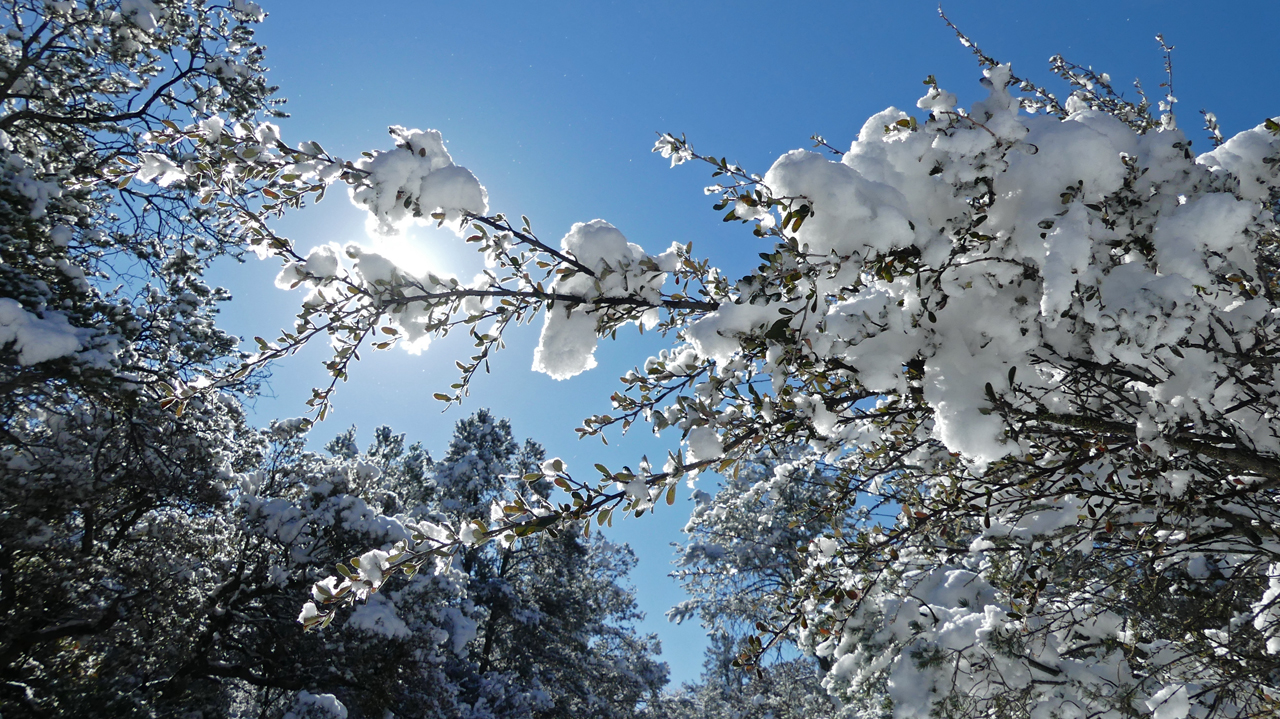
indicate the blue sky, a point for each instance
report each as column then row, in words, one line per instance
column 554, row 106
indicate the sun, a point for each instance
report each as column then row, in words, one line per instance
column 415, row 249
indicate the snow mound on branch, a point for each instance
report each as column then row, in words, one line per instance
column 315, row 706
column 567, row 346
column 1029, row 279
column 415, row 180
column 143, row 13
column 858, row 213
column 704, row 444
column 619, row 269
column 38, row 339
column 718, row 335
column 1245, row 158
column 378, row 616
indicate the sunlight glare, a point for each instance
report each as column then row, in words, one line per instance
column 410, row 249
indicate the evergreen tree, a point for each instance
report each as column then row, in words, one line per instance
column 112, row 471
column 745, row 553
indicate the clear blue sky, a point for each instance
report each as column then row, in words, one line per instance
column 554, row 106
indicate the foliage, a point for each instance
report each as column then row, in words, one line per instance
column 537, row 629
column 106, row 491
column 155, row 550
column 784, row 689
column 742, row 556
column 1038, row 333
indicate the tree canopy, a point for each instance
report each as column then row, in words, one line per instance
column 1027, row 343
column 996, row 411
column 155, row 550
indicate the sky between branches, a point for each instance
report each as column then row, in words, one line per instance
column 555, row 106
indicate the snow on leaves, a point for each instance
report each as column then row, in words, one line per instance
column 1042, row 331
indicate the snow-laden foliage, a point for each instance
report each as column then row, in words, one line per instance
column 746, row 541
column 200, row 611
column 111, row 468
column 745, row 550
column 1038, row 332
column 785, row 689
column 546, row 618
column 539, row 629
column 155, row 551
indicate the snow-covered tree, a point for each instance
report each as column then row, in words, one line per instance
column 1038, row 331
column 744, row 556
column 154, row 550
column 783, row 689
column 746, row 541
column 209, row 622
column 555, row 615
column 111, row 468
column 538, row 628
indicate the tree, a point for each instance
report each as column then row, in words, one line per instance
column 539, row 628
column 154, row 549
column 747, row 540
column 1038, row 331
column 744, row 555
column 784, row 689
column 111, row 468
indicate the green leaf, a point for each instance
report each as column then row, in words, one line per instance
column 778, row 331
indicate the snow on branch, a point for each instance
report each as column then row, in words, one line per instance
column 1040, row 333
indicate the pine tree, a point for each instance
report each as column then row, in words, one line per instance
column 112, row 470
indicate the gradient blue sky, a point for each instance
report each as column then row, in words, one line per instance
column 554, row 106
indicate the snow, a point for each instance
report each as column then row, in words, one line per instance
column 1267, row 610
column 378, row 616
column 159, row 169
column 461, row 629
column 1245, row 158
column 1170, row 703
column 853, row 213
column 618, row 268
column 1194, row 238
column 38, row 339
column 408, row 184
column 568, row 343
column 307, row 704
column 704, row 444
column 142, row 13
column 309, row 611
column 1004, row 280
column 717, row 336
